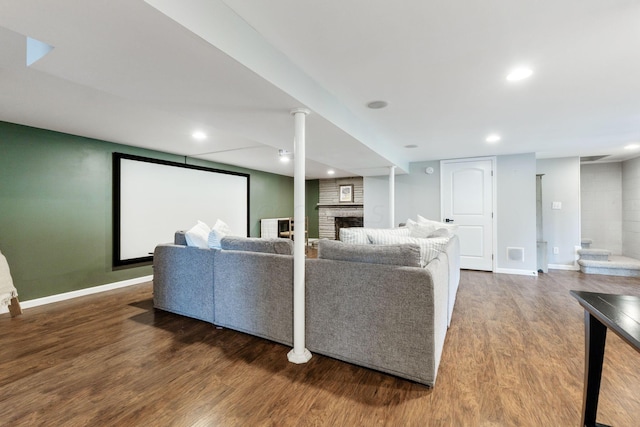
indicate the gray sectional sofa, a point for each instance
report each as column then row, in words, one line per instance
column 246, row 286
column 371, row 305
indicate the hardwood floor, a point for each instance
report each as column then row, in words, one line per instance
column 513, row 357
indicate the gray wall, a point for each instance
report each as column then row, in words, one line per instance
column 516, row 210
column 601, row 205
column 631, row 208
column 561, row 183
column 415, row 193
column 419, row 193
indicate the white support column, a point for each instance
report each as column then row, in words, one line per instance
column 299, row 354
column 392, row 196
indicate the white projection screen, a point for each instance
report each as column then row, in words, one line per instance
column 152, row 199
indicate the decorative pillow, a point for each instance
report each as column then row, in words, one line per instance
column 354, row 236
column 381, row 234
column 219, row 230
column 429, row 248
column 440, row 232
column 403, row 255
column 255, row 244
column 453, row 229
column 420, row 230
column 197, row 235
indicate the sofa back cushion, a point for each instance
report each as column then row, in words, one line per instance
column 429, row 248
column 404, row 254
column 254, row 244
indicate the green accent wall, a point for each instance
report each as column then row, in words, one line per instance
column 312, row 197
column 56, row 208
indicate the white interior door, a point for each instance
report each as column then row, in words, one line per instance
column 466, row 189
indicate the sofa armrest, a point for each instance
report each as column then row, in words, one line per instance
column 183, row 280
column 453, row 259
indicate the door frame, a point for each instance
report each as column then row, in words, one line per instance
column 494, row 178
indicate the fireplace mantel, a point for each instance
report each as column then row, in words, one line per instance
column 341, row 205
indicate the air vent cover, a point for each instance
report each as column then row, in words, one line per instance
column 515, row 254
column 592, row 158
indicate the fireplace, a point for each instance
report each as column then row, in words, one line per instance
column 331, row 210
column 346, row 222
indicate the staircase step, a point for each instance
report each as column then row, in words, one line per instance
column 586, row 243
column 594, row 254
column 616, row 266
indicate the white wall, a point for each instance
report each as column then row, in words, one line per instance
column 631, row 208
column 516, row 212
column 601, row 205
column 561, row 183
column 419, row 193
column 415, row 193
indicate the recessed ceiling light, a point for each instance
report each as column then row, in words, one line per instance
column 493, row 138
column 331, row 172
column 376, row 105
column 632, row 146
column 411, row 146
column 199, row 135
column 519, row 74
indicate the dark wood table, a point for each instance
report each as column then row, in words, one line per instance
column 621, row 314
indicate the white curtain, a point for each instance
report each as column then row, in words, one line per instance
column 7, row 290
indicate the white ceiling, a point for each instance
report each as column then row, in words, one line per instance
column 150, row 73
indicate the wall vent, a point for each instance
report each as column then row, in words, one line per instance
column 515, row 254
column 586, row 159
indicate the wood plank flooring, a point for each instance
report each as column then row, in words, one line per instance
column 513, row 356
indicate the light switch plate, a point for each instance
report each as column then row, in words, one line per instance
column 556, row 205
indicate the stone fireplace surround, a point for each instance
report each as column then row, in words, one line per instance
column 329, row 208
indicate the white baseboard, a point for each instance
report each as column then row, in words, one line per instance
column 516, row 271
column 79, row 293
column 568, row 267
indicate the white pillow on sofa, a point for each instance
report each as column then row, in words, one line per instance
column 381, row 235
column 219, row 230
column 354, row 236
column 198, row 235
column 453, row 229
column 420, row 230
column 429, row 248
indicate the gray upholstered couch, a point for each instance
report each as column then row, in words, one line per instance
column 373, row 306
column 245, row 286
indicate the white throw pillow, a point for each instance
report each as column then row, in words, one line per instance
column 453, row 229
column 420, row 230
column 354, row 236
column 197, row 235
column 429, row 248
column 381, row 234
column 219, row 230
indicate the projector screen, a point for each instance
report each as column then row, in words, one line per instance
column 152, row 199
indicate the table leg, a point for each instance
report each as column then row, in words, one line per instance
column 595, row 338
